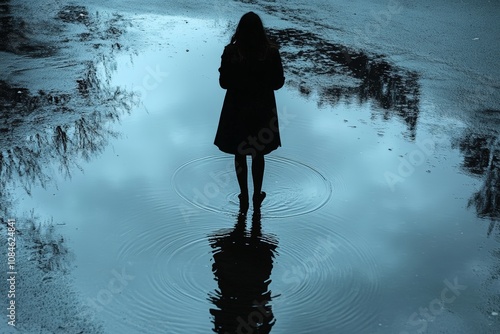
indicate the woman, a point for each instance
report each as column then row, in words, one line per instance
column 250, row 70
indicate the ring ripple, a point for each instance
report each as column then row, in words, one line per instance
column 294, row 188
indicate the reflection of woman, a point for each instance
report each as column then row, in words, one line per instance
column 250, row 70
column 242, row 266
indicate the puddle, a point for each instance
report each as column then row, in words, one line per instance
column 379, row 199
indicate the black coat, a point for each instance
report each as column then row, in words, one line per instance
column 248, row 123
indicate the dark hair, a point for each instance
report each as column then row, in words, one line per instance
column 250, row 37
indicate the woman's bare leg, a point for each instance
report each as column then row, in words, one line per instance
column 240, row 165
column 258, row 164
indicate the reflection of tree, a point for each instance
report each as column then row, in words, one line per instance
column 480, row 147
column 243, row 262
column 65, row 141
column 482, row 158
column 477, row 153
column 339, row 73
column 43, row 127
column 487, row 200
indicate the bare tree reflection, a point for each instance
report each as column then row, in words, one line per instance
column 477, row 149
column 339, row 73
column 52, row 124
column 243, row 261
column 29, row 147
column 47, row 126
column 480, row 147
column 481, row 158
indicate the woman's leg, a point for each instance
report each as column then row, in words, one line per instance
column 240, row 165
column 257, row 174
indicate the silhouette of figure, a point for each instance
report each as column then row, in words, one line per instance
column 250, row 70
column 243, row 262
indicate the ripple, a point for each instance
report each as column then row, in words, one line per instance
column 324, row 274
column 293, row 188
column 327, row 278
column 171, row 260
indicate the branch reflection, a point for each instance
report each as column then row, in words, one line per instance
column 61, row 126
column 340, row 73
column 481, row 158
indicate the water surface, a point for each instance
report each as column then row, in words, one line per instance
column 379, row 200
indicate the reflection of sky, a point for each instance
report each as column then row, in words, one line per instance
column 420, row 230
column 179, row 107
column 408, row 231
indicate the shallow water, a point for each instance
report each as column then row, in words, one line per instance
column 366, row 221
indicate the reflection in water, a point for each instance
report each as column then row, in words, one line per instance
column 56, row 102
column 480, row 147
column 30, row 143
column 51, row 125
column 243, row 261
column 16, row 35
column 477, row 150
column 337, row 73
column 482, row 159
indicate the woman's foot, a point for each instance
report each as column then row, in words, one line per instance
column 258, row 198
column 243, row 203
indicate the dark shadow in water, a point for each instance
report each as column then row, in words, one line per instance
column 243, row 261
column 339, row 73
column 481, row 158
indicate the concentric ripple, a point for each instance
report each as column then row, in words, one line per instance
column 172, row 261
column 327, row 278
column 293, row 188
column 323, row 273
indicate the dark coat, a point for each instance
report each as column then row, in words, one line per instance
column 248, row 123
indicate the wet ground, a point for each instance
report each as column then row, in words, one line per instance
column 382, row 209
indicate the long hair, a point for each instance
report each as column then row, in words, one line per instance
column 250, row 37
